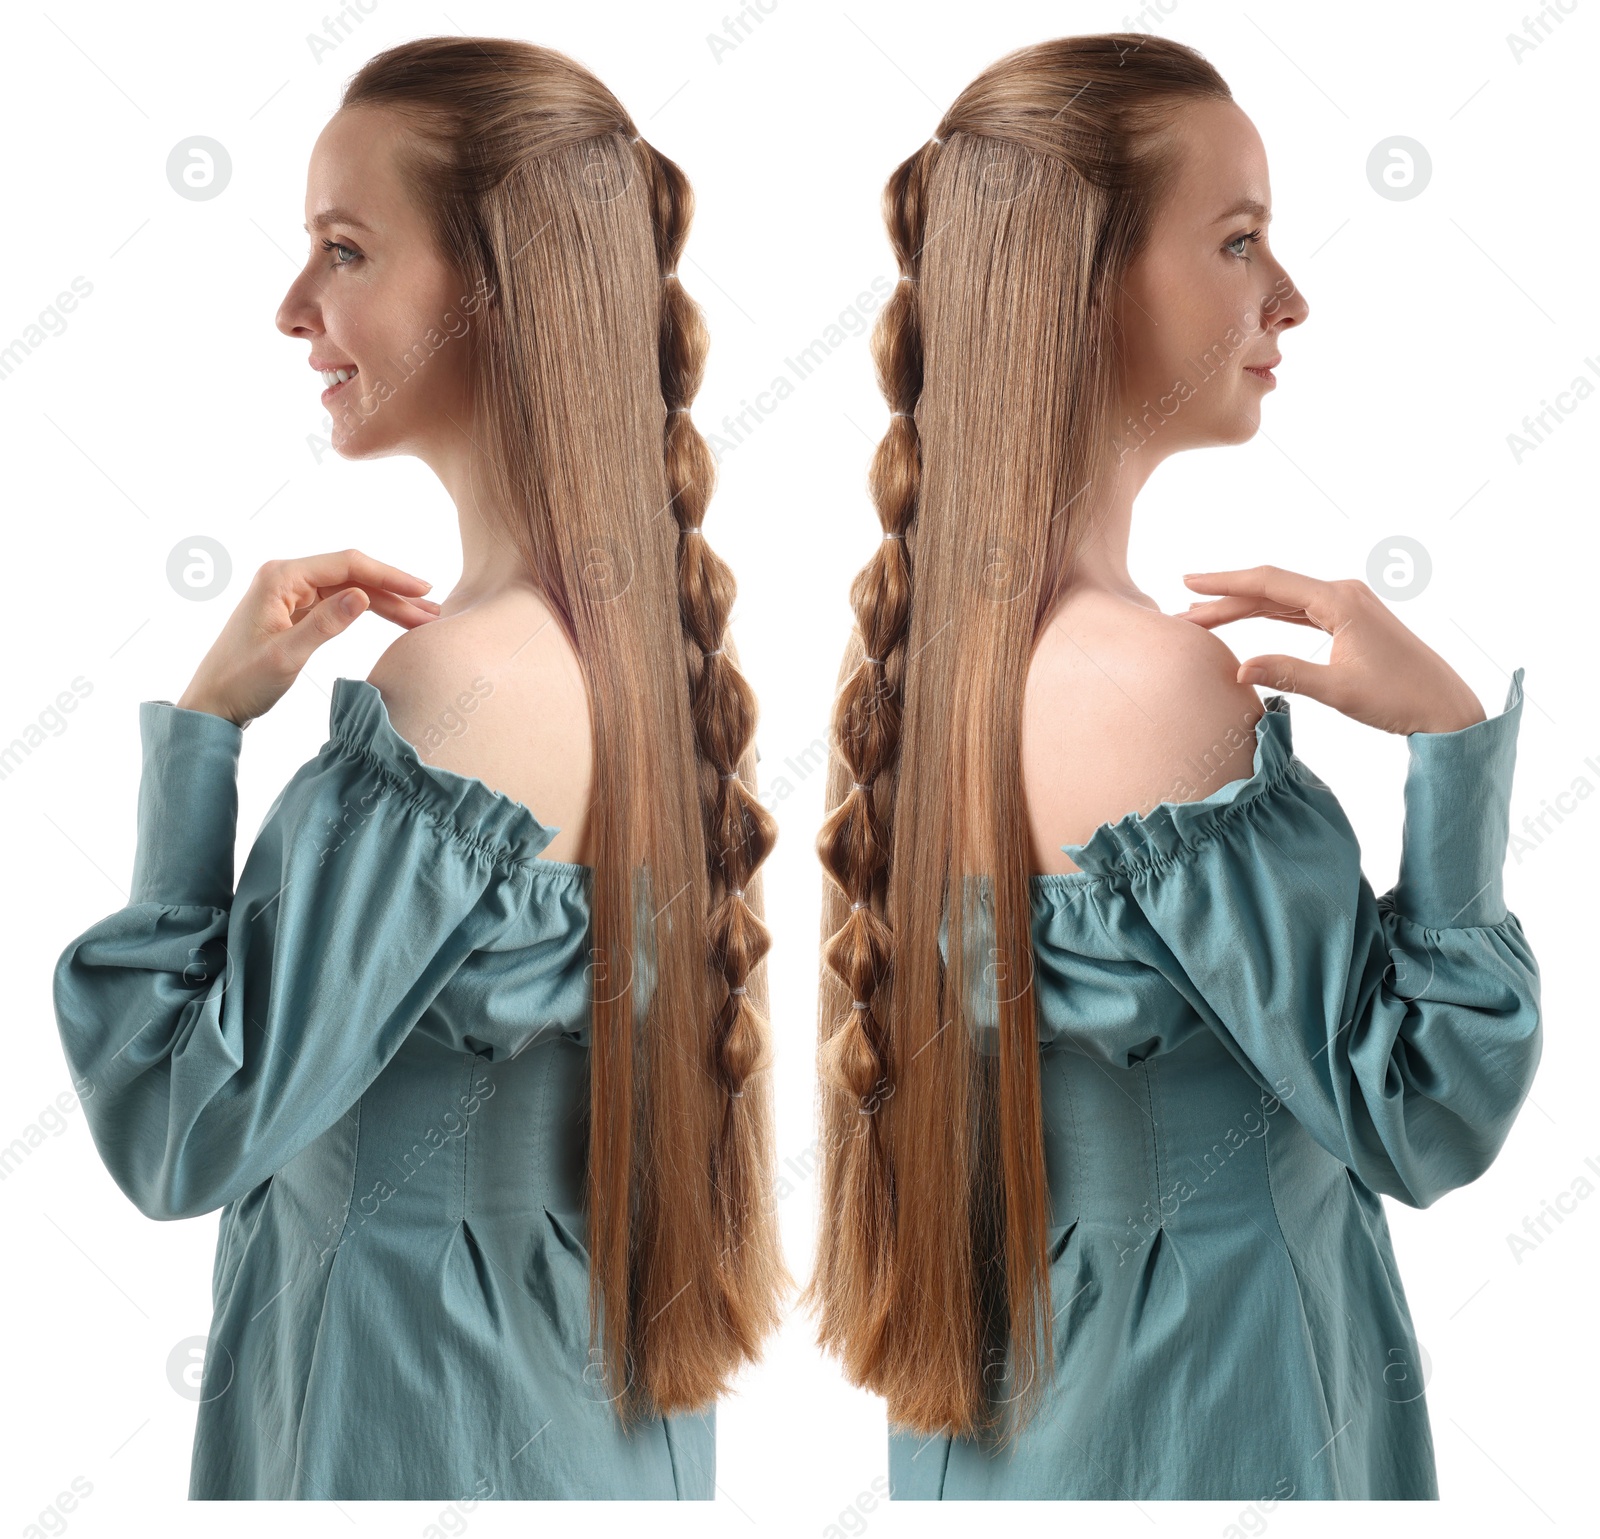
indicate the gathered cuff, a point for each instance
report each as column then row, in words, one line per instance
column 188, row 806
column 1458, row 821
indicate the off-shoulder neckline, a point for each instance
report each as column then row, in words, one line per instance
column 1119, row 843
column 1138, row 840
column 472, row 810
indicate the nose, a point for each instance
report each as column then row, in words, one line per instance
column 300, row 315
column 1284, row 305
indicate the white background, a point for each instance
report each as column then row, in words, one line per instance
column 170, row 407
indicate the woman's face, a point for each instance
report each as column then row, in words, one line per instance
column 376, row 297
column 1206, row 302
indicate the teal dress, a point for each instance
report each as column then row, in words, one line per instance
column 372, row 1055
column 1242, row 1051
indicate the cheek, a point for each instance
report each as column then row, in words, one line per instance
column 1204, row 344
column 425, row 334
column 1202, row 330
column 1178, row 321
column 418, row 362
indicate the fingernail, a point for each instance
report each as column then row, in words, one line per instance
column 350, row 602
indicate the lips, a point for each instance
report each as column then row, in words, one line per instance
column 327, row 366
column 1264, row 370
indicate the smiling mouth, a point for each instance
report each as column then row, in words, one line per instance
column 336, row 380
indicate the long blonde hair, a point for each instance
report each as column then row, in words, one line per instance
column 1014, row 227
column 587, row 353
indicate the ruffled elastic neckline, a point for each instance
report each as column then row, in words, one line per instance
column 1137, row 840
column 468, row 810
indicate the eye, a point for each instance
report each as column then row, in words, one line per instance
column 339, row 245
column 1253, row 237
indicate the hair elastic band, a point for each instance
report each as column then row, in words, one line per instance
column 733, row 776
column 858, row 905
column 672, row 409
column 692, row 529
column 735, row 1094
column 860, row 1004
column 740, row 990
column 857, row 786
column 902, row 414
column 893, row 536
column 636, row 138
column 712, row 654
column 736, row 892
column 877, row 660
column 936, row 139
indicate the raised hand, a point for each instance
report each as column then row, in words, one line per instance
column 1377, row 671
column 290, row 608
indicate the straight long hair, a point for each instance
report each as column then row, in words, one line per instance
column 568, row 226
column 998, row 353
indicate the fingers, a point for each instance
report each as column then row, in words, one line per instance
column 1211, row 613
column 335, row 569
column 1273, row 585
column 394, row 606
column 327, row 618
column 1290, row 676
column 408, row 613
column 301, row 583
column 295, row 605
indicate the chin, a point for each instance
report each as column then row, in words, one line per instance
column 1242, row 428
column 359, row 443
column 370, row 435
column 361, row 446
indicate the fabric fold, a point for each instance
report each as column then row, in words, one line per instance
column 371, row 1052
column 188, row 806
column 1405, row 1044
column 1458, row 820
column 223, row 1029
column 468, row 809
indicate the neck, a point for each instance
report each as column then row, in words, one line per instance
column 490, row 564
column 1104, row 515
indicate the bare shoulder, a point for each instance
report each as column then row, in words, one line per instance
column 496, row 692
column 1125, row 708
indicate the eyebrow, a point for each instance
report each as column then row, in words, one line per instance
column 331, row 216
column 1248, row 206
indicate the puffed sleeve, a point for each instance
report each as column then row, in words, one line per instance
column 223, row 1029
column 1407, row 1025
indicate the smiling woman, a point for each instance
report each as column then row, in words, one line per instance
column 379, row 298
column 1106, row 1123
column 490, row 1127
